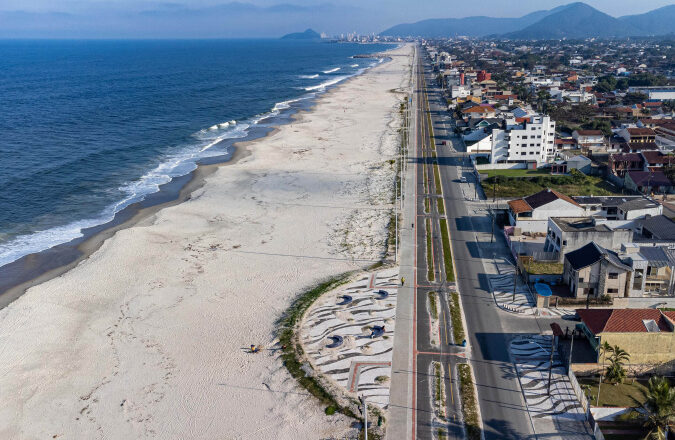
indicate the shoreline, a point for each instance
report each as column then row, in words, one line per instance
column 39, row 267
column 149, row 336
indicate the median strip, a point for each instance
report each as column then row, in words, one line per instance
column 447, row 252
column 469, row 403
column 430, row 258
column 441, row 206
column 456, row 318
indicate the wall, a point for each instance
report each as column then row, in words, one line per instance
column 556, row 208
column 502, row 166
column 644, row 347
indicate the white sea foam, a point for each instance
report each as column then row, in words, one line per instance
column 331, row 70
column 355, row 65
column 325, row 84
column 174, row 165
column 316, row 75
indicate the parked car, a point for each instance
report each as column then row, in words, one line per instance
column 462, row 179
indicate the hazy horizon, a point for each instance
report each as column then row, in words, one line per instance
column 253, row 19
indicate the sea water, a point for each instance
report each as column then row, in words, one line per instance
column 90, row 127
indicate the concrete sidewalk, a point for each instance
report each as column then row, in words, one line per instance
column 399, row 420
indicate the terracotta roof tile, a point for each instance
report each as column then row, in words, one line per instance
column 519, row 205
column 622, row 320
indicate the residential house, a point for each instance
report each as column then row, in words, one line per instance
column 619, row 208
column 589, row 139
column 658, row 227
column 621, row 163
column 648, row 182
column 567, row 234
column 483, row 110
column 578, row 162
column 593, row 271
column 531, row 213
column 637, row 134
column 646, row 334
column 656, row 160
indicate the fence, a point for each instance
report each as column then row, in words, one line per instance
column 581, row 396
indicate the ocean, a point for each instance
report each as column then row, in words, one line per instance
column 90, row 127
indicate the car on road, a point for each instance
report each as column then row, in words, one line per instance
column 463, row 179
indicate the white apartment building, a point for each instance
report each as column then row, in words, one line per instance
column 531, row 141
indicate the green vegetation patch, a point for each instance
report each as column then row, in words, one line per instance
column 441, row 206
column 447, row 252
column 456, row 318
column 292, row 351
column 427, row 209
column 627, row 394
column 469, row 403
column 433, row 305
column 517, row 173
column 437, row 178
column 576, row 184
column 430, row 257
column 544, row 268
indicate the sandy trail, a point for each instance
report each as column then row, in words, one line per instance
column 147, row 337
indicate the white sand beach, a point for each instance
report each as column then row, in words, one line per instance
column 147, row 337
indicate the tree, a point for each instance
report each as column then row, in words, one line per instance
column 634, row 98
column 542, row 98
column 658, row 411
column 616, row 371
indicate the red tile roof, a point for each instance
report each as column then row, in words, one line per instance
column 519, row 205
column 589, row 132
column 624, row 320
column 641, row 131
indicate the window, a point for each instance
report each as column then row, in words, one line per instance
column 613, row 276
column 564, row 242
column 524, row 137
column 612, row 290
column 581, row 280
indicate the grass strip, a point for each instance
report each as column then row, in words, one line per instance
column 469, row 403
column 447, row 252
column 441, row 206
column 425, row 179
column 430, row 258
column 433, row 306
column 427, row 208
column 437, row 178
column 456, row 318
column 292, row 352
column 438, row 388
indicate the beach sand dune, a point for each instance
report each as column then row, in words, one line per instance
column 147, row 337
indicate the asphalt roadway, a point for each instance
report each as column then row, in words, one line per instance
column 502, row 406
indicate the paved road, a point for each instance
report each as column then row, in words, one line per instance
column 412, row 410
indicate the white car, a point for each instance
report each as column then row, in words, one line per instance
column 463, row 179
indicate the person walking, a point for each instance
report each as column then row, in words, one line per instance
column 402, row 281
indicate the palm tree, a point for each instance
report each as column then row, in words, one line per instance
column 604, row 349
column 616, row 372
column 658, row 411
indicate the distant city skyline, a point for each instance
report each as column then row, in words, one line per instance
column 254, row 18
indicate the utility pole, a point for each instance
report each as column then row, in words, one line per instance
column 569, row 362
column 550, row 364
column 515, row 281
column 494, row 189
column 365, row 417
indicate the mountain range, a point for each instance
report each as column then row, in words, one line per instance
column 575, row 20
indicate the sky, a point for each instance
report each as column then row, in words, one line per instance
column 254, row 18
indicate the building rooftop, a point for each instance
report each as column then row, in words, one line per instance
column 579, row 224
column 591, row 254
column 626, row 320
column 649, row 178
column 659, row 226
column 589, row 133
